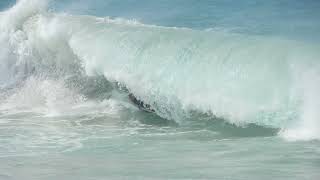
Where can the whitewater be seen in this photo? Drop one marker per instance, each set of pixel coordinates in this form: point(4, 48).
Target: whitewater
point(228, 104)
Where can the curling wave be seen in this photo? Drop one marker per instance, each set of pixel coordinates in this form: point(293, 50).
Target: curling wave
point(268, 81)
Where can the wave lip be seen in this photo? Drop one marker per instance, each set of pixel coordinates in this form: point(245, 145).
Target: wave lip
point(24, 9)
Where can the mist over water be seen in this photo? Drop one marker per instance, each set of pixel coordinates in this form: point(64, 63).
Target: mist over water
point(242, 96)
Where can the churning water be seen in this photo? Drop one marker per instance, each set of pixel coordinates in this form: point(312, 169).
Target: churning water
point(234, 85)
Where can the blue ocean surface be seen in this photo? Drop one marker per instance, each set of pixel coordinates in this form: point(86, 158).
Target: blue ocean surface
point(232, 89)
point(293, 18)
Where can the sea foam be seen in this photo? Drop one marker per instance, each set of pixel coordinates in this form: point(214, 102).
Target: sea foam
point(268, 81)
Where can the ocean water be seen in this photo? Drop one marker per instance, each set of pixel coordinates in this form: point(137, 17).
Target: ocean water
point(234, 85)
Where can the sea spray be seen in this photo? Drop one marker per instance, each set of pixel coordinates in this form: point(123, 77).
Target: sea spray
point(240, 78)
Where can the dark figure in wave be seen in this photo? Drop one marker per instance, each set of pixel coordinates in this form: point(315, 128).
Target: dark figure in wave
point(141, 104)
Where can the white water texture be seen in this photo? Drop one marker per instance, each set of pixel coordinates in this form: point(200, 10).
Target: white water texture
point(269, 81)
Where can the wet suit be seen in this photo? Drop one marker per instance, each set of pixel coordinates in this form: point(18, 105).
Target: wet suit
point(140, 104)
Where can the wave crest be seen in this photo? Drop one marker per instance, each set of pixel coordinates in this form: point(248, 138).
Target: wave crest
point(242, 79)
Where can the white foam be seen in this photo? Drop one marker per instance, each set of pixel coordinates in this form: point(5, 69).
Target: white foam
point(43, 95)
point(307, 127)
point(243, 79)
point(20, 12)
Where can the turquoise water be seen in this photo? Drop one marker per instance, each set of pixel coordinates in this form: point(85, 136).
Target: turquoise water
point(234, 85)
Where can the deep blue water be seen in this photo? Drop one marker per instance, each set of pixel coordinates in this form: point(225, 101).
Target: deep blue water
point(292, 18)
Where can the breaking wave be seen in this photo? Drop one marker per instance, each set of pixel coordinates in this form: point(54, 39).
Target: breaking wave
point(268, 81)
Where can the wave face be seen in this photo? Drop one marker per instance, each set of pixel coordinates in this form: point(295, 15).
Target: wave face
point(268, 81)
